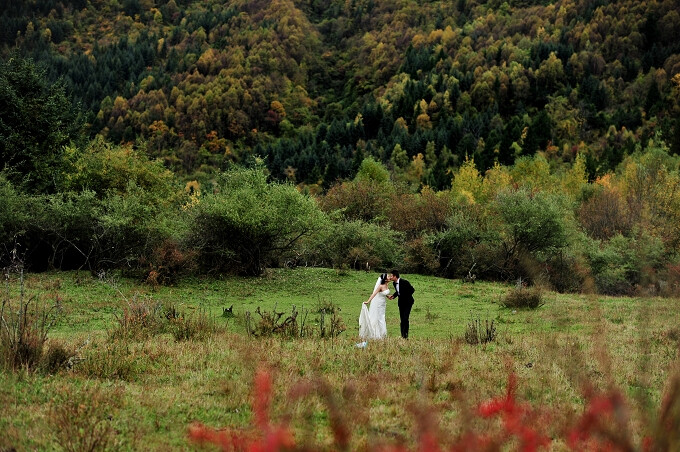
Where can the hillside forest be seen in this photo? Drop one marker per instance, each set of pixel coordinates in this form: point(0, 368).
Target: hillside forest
point(499, 140)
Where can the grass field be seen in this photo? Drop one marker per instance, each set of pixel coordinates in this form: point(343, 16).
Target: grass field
point(143, 393)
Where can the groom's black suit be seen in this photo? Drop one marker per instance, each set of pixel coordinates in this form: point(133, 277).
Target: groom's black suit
point(405, 294)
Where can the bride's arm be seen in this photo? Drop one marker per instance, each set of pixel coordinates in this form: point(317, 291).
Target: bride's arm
point(375, 292)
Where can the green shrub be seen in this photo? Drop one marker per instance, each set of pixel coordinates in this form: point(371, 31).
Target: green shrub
point(469, 240)
point(15, 215)
point(534, 222)
point(354, 244)
point(533, 228)
point(82, 230)
point(620, 265)
point(249, 223)
point(109, 170)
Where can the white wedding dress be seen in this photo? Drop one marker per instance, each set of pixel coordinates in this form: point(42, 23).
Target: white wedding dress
point(372, 321)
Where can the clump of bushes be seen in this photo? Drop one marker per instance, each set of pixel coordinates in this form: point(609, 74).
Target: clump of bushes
point(143, 318)
point(524, 297)
point(197, 327)
point(248, 224)
point(111, 360)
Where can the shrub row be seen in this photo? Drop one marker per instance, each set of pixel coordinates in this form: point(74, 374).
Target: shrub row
point(118, 209)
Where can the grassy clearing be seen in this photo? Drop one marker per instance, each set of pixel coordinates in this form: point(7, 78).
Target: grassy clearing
point(149, 390)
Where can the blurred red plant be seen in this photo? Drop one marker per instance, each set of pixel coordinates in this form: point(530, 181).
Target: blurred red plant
point(270, 437)
point(515, 418)
point(602, 427)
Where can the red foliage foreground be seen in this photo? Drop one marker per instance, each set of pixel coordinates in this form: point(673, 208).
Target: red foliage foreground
point(603, 426)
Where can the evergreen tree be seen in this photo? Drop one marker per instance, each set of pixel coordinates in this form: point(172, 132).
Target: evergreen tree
point(37, 120)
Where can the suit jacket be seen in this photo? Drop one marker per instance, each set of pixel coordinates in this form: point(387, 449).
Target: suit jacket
point(405, 292)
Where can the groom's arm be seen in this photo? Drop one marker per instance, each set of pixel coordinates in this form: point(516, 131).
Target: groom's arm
point(408, 288)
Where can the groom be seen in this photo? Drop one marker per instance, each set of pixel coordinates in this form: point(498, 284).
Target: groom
point(404, 291)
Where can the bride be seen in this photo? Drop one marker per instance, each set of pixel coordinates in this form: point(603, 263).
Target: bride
point(372, 321)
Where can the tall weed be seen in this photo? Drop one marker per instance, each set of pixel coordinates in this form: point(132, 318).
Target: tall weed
point(23, 325)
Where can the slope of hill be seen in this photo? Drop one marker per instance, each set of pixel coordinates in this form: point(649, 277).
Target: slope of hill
point(313, 86)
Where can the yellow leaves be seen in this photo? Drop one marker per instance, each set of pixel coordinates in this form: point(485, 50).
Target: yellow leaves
point(193, 190)
point(496, 179)
point(551, 71)
point(435, 35)
point(423, 121)
point(277, 107)
point(467, 181)
point(448, 37)
point(401, 122)
point(605, 180)
point(575, 178)
point(417, 168)
point(676, 80)
point(533, 173)
point(120, 106)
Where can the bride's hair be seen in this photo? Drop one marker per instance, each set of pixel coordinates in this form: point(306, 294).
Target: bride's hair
point(383, 278)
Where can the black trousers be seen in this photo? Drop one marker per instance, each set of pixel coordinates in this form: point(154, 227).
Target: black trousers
point(404, 313)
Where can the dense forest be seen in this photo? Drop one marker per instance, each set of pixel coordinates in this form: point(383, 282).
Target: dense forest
point(314, 86)
point(532, 139)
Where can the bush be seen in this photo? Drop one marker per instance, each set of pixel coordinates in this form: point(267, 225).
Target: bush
point(250, 224)
point(140, 319)
point(57, 357)
point(415, 214)
point(295, 325)
point(15, 216)
point(273, 323)
point(469, 240)
point(354, 244)
point(169, 261)
point(80, 419)
point(604, 215)
point(420, 257)
point(81, 230)
point(358, 200)
point(523, 297)
point(107, 361)
point(622, 264)
point(197, 327)
point(533, 225)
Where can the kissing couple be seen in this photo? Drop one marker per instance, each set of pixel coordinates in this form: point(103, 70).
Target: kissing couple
point(372, 320)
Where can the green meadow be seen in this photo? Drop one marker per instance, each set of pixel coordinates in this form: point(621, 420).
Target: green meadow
point(143, 391)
